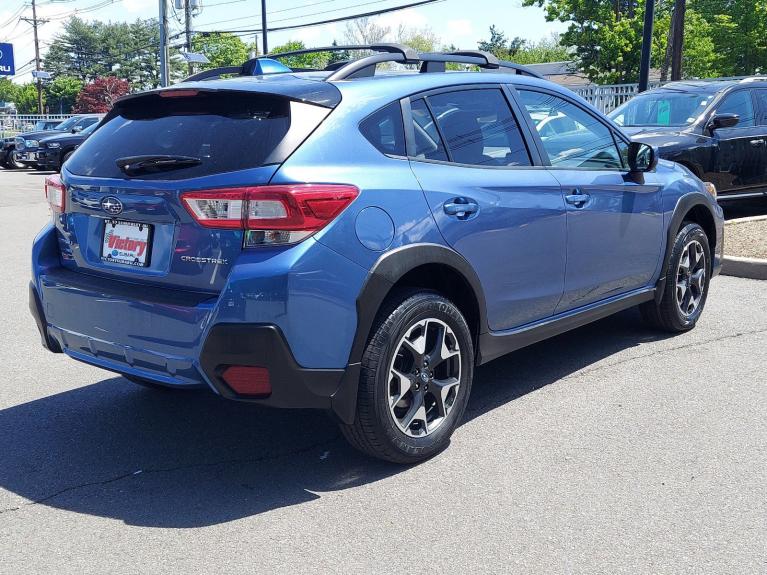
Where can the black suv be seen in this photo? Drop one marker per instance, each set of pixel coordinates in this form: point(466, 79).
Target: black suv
point(717, 129)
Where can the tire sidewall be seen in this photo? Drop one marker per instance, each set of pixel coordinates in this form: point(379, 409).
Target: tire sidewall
point(409, 313)
point(687, 234)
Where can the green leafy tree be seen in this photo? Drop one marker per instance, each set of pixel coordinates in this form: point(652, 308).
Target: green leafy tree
point(25, 98)
point(340, 56)
point(88, 50)
point(221, 48)
point(61, 93)
point(500, 45)
point(547, 50)
point(316, 61)
point(7, 90)
point(420, 39)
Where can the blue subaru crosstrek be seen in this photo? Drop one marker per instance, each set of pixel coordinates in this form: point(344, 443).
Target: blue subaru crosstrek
point(358, 240)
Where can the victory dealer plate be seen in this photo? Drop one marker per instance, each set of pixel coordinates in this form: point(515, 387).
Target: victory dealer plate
point(126, 243)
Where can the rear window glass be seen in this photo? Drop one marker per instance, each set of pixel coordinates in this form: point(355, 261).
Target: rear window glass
point(385, 130)
point(226, 131)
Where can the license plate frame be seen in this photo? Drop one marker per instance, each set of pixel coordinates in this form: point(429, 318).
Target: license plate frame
point(120, 254)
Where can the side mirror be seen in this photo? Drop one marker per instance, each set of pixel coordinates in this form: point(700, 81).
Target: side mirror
point(723, 121)
point(642, 157)
point(77, 129)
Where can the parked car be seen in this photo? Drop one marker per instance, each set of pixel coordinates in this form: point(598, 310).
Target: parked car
point(23, 151)
point(716, 129)
point(384, 234)
point(7, 145)
point(55, 150)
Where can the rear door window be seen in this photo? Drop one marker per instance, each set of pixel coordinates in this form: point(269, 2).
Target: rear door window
point(428, 143)
point(479, 128)
point(225, 131)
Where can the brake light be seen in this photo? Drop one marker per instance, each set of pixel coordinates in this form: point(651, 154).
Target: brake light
point(178, 93)
point(271, 215)
point(55, 193)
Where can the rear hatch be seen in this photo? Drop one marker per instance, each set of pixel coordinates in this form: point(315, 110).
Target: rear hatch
point(124, 216)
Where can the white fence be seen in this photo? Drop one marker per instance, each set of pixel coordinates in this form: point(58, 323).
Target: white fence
point(608, 97)
point(11, 124)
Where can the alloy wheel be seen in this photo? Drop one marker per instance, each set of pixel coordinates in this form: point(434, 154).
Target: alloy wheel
point(691, 278)
point(424, 377)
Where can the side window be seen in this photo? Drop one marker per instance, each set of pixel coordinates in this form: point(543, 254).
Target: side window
point(585, 142)
point(739, 103)
point(428, 144)
point(761, 102)
point(385, 130)
point(479, 128)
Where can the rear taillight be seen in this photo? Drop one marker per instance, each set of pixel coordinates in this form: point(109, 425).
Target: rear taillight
point(55, 193)
point(270, 215)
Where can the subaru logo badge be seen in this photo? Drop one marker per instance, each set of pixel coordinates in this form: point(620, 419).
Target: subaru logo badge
point(112, 205)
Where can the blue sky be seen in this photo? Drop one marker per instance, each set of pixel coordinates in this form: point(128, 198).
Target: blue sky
point(451, 20)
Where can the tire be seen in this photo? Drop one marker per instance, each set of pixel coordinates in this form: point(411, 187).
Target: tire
point(65, 158)
point(13, 163)
point(402, 419)
point(686, 287)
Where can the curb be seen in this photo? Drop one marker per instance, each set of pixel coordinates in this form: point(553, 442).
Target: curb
point(751, 268)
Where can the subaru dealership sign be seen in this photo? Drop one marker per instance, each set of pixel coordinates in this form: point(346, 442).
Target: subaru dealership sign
point(6, 60)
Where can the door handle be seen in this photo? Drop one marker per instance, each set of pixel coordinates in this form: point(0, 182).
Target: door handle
point(577, 199)
point(460, 207)
point(757, 143)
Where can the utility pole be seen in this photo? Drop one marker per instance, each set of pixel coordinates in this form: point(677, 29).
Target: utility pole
point(677, 39)
point(188, 30)
point(263, 26)
point(35, 23)
point(163, 43)
point(644, 64)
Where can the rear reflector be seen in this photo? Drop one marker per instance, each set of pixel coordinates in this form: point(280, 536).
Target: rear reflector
point(270, 215)
point(248, 380)
point(55, 193)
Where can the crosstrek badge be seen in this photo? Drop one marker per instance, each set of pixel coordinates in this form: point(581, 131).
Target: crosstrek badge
point(125, 243)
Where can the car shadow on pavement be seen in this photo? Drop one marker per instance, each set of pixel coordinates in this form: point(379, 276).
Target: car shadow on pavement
point(189, 459)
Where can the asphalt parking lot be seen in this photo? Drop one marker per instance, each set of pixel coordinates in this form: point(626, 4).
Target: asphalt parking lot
point(610, 449)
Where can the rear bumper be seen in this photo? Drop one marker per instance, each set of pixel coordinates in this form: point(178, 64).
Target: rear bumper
point(260, 345)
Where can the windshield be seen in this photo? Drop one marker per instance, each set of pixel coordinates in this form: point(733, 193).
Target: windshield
point(43, 125)
point(67, 124)
point(661, 108)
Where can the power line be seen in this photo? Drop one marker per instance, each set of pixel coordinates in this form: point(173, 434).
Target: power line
point(331, 20)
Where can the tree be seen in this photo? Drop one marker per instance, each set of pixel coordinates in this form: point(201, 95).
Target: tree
point(100, 95)
point(7, 90)
point(87, 50)
point(546, 50)
point(339, 56)
point(221, 48)
point(62, 92)
point(25, 98)
point(365, 31)
point(419, 39)
point(314, 61)
point(499, 45)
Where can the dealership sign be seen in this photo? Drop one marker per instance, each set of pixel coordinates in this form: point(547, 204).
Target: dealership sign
point(6, 60)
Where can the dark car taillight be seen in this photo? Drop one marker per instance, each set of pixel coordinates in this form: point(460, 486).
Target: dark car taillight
point(270, 215)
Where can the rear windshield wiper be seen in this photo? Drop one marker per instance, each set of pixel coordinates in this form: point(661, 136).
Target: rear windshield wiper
point(135, 165)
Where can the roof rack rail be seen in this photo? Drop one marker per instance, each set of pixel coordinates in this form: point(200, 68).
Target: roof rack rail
point(253, 66)
point(364, 67)
point(753, 79)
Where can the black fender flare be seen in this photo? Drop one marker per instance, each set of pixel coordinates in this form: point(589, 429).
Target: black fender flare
point(682, 208)
point(382, 277)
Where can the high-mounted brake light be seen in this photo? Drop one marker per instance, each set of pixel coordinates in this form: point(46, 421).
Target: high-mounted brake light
point(178, 93)
point(55, 193)
point(271, 215)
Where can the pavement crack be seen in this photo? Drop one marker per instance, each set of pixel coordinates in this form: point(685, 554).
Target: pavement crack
point(660, 352)
point(150, 470)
